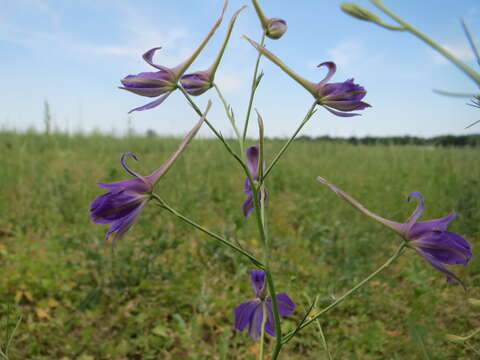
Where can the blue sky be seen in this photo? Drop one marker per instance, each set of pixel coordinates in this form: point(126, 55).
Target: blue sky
point(73, 54)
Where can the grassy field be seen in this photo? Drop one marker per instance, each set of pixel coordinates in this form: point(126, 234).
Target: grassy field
point(166, 291)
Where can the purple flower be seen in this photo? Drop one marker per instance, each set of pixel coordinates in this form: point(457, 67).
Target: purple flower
point(253, 158)
point(125, 199)
point(338, 98)
point(251, 313)
point(163, 82)
point(343, 97)
point(431, 239)
point(152, 84)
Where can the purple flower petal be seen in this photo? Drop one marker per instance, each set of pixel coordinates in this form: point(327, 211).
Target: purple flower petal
point(285, 304)
point(247, 188)
point(256, 322)
point(133, 185)
point(270, 324)
point(247, 205)
point(416, 213)
point(445, 246)
point(148, 57)
point(253, 157)
point(147, 92)
point(341, 114)
point(422, 227)
point(332, 68)
point(127, 169)
point(110, 207)
point(122, 225)
point(258, 282)
point(346, 105)
point(244, 313)
point(152, 104)
point(148, 79)
point(439, 266)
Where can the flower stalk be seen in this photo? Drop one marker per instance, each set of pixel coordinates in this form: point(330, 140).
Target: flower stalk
point(163, 204)
point(307, 117)
point(255, 82)
point(475, 76)
point(345, 296)
point(230, 116)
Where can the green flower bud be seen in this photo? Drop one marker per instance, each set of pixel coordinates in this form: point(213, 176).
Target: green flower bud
point(360, 12)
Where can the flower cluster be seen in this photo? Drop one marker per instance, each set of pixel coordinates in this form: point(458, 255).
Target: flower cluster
point(121, 205)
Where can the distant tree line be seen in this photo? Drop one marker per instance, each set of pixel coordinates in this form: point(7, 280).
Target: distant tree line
point(444, 140)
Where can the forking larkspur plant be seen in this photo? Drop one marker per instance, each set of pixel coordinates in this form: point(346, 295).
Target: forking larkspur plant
point(124, 201)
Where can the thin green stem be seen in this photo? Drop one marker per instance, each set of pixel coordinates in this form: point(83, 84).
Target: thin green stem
point(324, 340)
point(469, 346)
point(217, 134)
point(475, 76)
point(230, 116)
point(397, 253)
point(214, 66)
point(270, 283)
point(225, 242)
point(253, 90)
point(261, 15)
point(309, 114)
point(260, 216)
point(262, 332)
point(474, 333)
point(470, 40)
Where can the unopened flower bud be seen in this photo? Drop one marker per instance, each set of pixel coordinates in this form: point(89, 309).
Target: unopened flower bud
point(196, 83)
point(360, 12)
point(276, 27)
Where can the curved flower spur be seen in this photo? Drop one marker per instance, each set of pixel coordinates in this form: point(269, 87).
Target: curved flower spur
point(338, 98)
point(164, 81)
point(125, 199)
point(431, 239)
point(198, 82)
point(251, 313)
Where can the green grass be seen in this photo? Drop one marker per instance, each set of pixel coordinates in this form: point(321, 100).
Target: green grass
point(166, 291)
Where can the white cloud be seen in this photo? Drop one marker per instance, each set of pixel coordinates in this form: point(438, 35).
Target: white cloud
point(346, 52)
point(144, 37)
point(229, 82)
